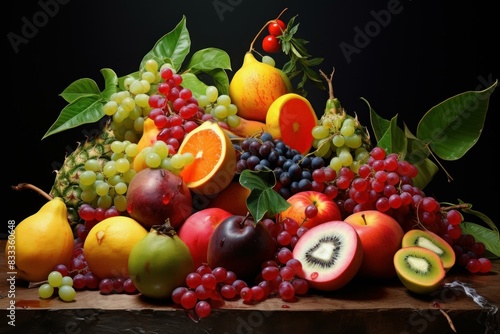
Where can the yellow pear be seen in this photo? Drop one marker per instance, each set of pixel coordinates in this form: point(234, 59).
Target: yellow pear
point(255, 86)
point(41, 241)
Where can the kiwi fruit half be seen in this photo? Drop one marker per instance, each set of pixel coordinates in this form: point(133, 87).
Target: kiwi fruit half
point(330, 253)
point(419, 269)
point(433, 242)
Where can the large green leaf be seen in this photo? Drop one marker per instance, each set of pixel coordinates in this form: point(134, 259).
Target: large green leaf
point(426, 171)
point(489, 238)
point(208, 59)
point(417, 151)
point(110, 83)
point(87, 109)
point(80, 88)
point(452, 127)
point(379, 124)
point(191, 81)
point(171, 48)
point(394, 139)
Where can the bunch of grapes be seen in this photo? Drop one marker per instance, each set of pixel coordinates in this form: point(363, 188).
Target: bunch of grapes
point(57, 282)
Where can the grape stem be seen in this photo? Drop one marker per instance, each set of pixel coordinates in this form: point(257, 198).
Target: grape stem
point(264, 27)
point(22, 186)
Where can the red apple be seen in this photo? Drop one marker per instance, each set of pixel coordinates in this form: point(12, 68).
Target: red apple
point(327, 209)
point(197, 230)
point(381, 237)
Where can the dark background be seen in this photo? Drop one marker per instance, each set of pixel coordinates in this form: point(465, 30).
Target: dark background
point(425, 53)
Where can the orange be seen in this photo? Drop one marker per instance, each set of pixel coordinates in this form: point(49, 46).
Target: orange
point(232, 199)
point(292, 118)
point(214, 164)
point(108, 244)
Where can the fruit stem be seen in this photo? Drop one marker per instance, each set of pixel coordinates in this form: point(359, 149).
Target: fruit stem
point(332, 104)
point(364, 219)
point(264, 27)
point(165, 229)
point(22, 186)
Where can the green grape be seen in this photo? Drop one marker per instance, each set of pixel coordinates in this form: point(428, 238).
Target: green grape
point(93, 165)
point(88, 195)
point(355, 166)
point(45, 291)
point(117, 146)
point(104, 202)
point(102, 189)
point(149, 76)
point(361, 154)
point(335, 164)
point(67, 280)
point(345, 157)
point(232, 109)
point(127, 82)
point(220, 112)
point(120, 202)
point(109, 168)
point(121, 188)
point(323, 147)
point(347, 130)
point(188, 158)
point(122, 165)
point(160, 148)
point(203, 101)
point(223, 100)
point(153, 160)
point(142, 100)
point(165, 164)
point(132, 150)
point(338, 141)
point(137, 88)
point(115, 179)
point(151, 65)
point(320, 132)
point(233, 121)
point(67, 293)
point(110, 108)
point(212, 93)
point(139, 124)
point(87, 177)
point(55, 278)
point(128, 104)
point(128, 175)
point(146, 86)
point(353, 141)
point(177, 161)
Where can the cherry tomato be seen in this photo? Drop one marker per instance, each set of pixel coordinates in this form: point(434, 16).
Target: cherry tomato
point(271, 44)
point(276, 27)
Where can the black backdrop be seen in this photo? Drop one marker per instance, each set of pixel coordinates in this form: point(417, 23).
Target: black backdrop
point(414, 55)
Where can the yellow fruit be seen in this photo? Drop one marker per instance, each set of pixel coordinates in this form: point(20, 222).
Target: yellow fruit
point(292, 118)
point(214, 164)
point(41, 241)
point(148, 138)
point(255, 86)
point(248, 128)
point(108, 244)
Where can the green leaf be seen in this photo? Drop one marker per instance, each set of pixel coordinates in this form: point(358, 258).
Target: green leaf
point(426, 171)
point(263, 198)
point(452, 127)
point(87, 109)
point(110, 83)
point(417, 151)
point(209, 59)
point(482, 216)
point(379, 124)
point(489, 238)
point(171, 48)
point(394, 139)
point(80, 88)
point(191, 81)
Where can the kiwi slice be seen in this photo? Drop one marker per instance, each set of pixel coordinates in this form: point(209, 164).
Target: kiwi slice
point(433, 242)
point(419, 269)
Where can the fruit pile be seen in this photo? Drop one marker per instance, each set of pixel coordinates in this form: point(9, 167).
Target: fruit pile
point(309, 201)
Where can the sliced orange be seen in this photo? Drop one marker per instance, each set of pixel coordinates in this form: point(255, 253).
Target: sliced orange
point(292, 118)
point(214, 164)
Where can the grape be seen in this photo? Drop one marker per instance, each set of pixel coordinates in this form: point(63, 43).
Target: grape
point(203, 309)
point(67, 280)
point(45, 291)
point(188, 300)
point(193, 280)
point(55, 279)
point(67, 293)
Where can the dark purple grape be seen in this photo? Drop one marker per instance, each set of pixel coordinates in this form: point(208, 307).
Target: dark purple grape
point(252, 162)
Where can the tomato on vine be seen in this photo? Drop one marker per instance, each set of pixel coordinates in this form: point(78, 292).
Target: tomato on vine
point(271, 44)
point(276, 27)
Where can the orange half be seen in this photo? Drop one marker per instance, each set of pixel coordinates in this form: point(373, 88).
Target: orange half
point(214, 164)
point(292, 118)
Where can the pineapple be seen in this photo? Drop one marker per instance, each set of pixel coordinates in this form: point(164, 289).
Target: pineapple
point(66, 184)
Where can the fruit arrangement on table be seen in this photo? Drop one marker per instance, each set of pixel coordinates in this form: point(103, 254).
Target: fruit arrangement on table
point(200, 189)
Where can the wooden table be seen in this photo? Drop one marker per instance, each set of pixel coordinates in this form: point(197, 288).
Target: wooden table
point(360, 307)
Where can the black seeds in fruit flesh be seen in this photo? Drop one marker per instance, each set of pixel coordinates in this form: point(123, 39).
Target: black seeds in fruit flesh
point(336, 244)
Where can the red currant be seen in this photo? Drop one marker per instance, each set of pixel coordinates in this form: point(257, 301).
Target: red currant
point(271, 44)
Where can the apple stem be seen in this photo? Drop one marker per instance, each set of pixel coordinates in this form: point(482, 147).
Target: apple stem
point(22, 186)
point(364, 219)
point(264, 27)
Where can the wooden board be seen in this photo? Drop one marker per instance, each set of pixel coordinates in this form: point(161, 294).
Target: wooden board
point(360, 307)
